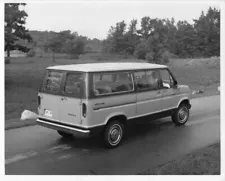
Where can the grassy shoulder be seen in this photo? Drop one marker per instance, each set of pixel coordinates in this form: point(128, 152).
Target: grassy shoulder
point(24, 75)
point(205, 161)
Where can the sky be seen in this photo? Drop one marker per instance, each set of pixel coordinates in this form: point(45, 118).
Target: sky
point(95, 19)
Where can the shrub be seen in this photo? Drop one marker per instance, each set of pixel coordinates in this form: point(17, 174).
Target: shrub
point(73, 56)
point(149, 57)
point(141, 50)
point(7, 60)
point(165, 57)
point(31, 53)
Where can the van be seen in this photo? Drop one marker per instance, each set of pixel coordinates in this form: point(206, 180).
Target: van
point(83, 100)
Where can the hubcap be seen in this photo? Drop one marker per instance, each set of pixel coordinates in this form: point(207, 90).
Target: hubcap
point(115, 134)
point(183, 114)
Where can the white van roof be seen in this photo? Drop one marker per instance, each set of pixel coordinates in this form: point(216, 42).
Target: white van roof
point(98, 67)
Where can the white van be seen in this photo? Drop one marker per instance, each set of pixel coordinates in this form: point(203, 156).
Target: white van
point(102, 98)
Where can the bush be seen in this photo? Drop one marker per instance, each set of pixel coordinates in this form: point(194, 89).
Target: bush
point(149, 57)
point(165, 57)
point(31, 53)
point(141, 50)
point(7, 60)
point(73, 56)
point(172, 55)
point(161, 59)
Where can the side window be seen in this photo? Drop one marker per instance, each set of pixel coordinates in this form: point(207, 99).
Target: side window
point(141, 80)
point(108, 83)
point(166, 79)
point(147, 80)
point(74, 82)
point(153, 79)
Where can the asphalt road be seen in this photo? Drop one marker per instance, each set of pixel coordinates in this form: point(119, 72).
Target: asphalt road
point(38, 150)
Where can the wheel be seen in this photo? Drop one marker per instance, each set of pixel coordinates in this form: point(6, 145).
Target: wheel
point(64, 134)
point(113, 134)
point(181, 115)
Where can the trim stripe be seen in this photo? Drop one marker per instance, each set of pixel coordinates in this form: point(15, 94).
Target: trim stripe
point(118, 105)
point(142, 115)
point(148, 100)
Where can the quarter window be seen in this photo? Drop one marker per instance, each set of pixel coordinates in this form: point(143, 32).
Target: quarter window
point(109, 83)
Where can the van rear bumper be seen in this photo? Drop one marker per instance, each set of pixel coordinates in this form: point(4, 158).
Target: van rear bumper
point(76, 131)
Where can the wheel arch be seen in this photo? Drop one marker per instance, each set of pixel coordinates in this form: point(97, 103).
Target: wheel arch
point(184, 100)
point(116, 116)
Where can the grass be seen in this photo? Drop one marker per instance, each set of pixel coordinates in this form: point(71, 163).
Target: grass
point(199, 74)
point(204, 161)
point(24, 75)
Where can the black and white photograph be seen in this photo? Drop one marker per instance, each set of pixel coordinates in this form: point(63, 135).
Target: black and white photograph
point(112, 88)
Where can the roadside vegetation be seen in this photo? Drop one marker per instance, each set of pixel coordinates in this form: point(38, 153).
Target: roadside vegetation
point(205, 161)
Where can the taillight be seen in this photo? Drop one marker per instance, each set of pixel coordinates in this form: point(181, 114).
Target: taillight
point(84, 110)
point(39, 101)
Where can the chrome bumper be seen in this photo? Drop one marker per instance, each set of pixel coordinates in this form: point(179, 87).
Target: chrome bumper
point(66, 128)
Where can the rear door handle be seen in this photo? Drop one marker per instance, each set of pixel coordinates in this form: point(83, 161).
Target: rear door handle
point(63, 98)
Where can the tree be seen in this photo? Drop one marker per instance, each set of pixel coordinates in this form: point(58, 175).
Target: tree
point(15, 30)
point(131, 37)
point(171, 34)
point(185, 40)
point(157, 39)
point(74, 46)
point(207, 29)
point(54, 45)
point(116, 41)
point(145, 27)
point(63, 36)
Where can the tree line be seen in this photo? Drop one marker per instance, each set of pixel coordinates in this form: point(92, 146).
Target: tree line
point(63, 42)
point(157, 39)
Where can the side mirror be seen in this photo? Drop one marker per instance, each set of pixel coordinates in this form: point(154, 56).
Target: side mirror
point(175, 83)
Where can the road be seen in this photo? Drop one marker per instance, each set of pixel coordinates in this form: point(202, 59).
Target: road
point(38, 150)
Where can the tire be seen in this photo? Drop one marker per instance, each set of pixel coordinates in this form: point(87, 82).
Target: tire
point(64, 134)
point(181, 115)
point(113, 134)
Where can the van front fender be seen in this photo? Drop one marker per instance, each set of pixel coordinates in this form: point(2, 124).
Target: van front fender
point(184, 99)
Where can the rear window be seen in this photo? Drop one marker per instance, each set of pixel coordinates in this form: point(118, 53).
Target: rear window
point(74, 84)
point(53, 81)
point(109, 83)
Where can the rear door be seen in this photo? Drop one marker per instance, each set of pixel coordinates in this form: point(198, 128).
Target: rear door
point(49, 95)
point(73, 92)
